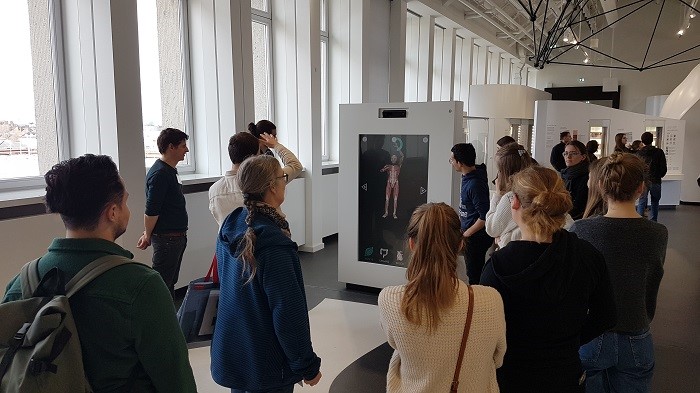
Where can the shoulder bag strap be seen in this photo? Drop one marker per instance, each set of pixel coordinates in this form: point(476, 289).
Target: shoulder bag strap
point(29, 278)
point(465, 336)
point(93, 270)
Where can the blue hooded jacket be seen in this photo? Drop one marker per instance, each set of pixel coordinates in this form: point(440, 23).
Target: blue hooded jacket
point(474, 197)
point(262, 339)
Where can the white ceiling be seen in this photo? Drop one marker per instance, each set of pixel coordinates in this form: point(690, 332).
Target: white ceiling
point(506, 24)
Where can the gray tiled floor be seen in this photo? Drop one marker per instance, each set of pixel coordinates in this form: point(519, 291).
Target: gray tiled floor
point(677, 318)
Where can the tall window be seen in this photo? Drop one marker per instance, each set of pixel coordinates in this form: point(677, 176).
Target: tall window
point(30, 138)
point(164, 74)
point(459, 69)
point(262, 60)
point(475, 64)
point(438, 62)
point(325, 140)
point(489, 58)
point(412, 56)
point(505, 70)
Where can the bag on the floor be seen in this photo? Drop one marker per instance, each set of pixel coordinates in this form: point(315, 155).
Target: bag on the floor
point(197, 314)
point(39, 343)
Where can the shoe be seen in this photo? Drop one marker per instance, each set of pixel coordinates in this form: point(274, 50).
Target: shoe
point(385, 214)
point(395, 216)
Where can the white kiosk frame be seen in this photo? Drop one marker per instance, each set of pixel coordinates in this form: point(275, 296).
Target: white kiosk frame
point(442, 122)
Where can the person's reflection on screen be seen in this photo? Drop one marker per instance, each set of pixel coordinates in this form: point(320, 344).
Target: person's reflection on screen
point(371, 208)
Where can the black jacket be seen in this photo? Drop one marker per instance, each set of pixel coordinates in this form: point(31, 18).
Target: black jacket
point(656, 162)
point(556, 157)
point(576, 181)
point(556, 297)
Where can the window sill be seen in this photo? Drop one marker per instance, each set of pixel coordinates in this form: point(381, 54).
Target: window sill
point(29, 196)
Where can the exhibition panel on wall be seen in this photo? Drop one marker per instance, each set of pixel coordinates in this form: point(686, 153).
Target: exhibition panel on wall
point(395, 158)
point(589, 121)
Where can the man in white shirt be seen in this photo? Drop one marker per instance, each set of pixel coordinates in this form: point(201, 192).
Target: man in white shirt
point(225, 195)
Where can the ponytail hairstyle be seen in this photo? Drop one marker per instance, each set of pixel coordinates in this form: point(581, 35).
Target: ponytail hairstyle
point(263, 127)
point(596, 204)
point(510, 159)
point(543, 198)
point(255, 176)
point(432, 270)
point(621, 175)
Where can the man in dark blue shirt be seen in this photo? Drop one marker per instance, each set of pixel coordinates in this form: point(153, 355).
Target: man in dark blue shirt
point(473, 206)
point(165, 220)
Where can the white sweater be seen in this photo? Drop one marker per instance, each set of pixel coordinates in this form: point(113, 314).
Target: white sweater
point(500, 224)
point(425, 362)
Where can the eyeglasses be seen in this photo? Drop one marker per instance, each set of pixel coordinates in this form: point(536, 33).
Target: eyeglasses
point(285, 176)
point(570, 153)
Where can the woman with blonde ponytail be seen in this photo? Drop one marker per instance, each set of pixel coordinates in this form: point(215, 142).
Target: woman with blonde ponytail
point(424, 320)
point(555, 289)
point(262, 340)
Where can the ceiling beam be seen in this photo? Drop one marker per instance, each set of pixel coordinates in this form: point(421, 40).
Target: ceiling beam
point(497, 25)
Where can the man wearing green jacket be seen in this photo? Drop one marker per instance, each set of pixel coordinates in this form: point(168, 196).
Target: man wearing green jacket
point(125, 318)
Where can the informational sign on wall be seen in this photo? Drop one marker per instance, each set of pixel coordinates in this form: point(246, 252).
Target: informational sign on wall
point(673, 147)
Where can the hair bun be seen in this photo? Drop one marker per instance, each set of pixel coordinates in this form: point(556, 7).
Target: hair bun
point(252, 128)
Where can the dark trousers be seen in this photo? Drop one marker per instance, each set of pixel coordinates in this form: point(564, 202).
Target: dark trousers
point(167, 257)
point(475, 254)
point(286, 389)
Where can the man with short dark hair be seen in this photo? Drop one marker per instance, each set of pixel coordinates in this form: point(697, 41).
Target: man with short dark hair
point(556, 158)
point(125, 319)
point(656, 169)
point(165, 219)
point(474, 204)
point(225, 195)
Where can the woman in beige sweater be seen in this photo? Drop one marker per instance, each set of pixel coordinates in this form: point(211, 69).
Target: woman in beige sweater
point(424, 319)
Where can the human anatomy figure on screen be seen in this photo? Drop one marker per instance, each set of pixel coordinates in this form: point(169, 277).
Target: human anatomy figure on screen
point(394, 169)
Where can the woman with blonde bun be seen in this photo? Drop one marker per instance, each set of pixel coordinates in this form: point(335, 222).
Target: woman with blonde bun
point(425, 319)
point(555, 289)
point(622, 360)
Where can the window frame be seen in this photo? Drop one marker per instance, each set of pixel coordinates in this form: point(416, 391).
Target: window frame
point(60, 105)
point(187, 98)
point(265, 18)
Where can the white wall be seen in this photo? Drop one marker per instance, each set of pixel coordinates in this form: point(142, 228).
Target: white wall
point(329, 204)
point(635, 88)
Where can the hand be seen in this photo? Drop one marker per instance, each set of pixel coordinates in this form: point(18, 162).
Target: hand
point(466, 234)
point(144, 242)
point(314, 381)
point(269, 140)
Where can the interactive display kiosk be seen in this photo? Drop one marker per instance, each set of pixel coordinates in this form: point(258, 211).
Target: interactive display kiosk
point(394, 158)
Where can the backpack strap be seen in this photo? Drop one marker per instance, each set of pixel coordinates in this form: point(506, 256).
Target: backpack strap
point(93, 270)
point(29, 278)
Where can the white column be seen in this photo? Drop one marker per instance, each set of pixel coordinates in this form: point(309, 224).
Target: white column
point(397, 60)
point(309, 104)
point(425, 59)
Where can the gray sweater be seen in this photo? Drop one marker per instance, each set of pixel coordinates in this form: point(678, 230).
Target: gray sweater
point(634, 251)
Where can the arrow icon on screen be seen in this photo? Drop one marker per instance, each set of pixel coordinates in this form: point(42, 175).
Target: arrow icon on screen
point(423, 190)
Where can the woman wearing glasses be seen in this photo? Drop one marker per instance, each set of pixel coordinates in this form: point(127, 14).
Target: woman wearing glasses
point(555, 289)
point(575, 176)
point(262, 340)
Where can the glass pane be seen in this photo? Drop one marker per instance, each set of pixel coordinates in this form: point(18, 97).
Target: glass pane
point(459, 48)
point(162, 75)
point(437, 63)
point(259, 5)
point(412, 56)
point(324, 99)
point(475, 64)
point(28, 131)
point(324, 13)
point(261, 71)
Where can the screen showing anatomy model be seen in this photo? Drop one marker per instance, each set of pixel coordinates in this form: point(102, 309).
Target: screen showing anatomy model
point(393, 181)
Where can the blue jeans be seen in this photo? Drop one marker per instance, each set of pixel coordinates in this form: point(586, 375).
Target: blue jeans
point(655, 191)
point(618, 363)
point(167, 257)
point(286, 389)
